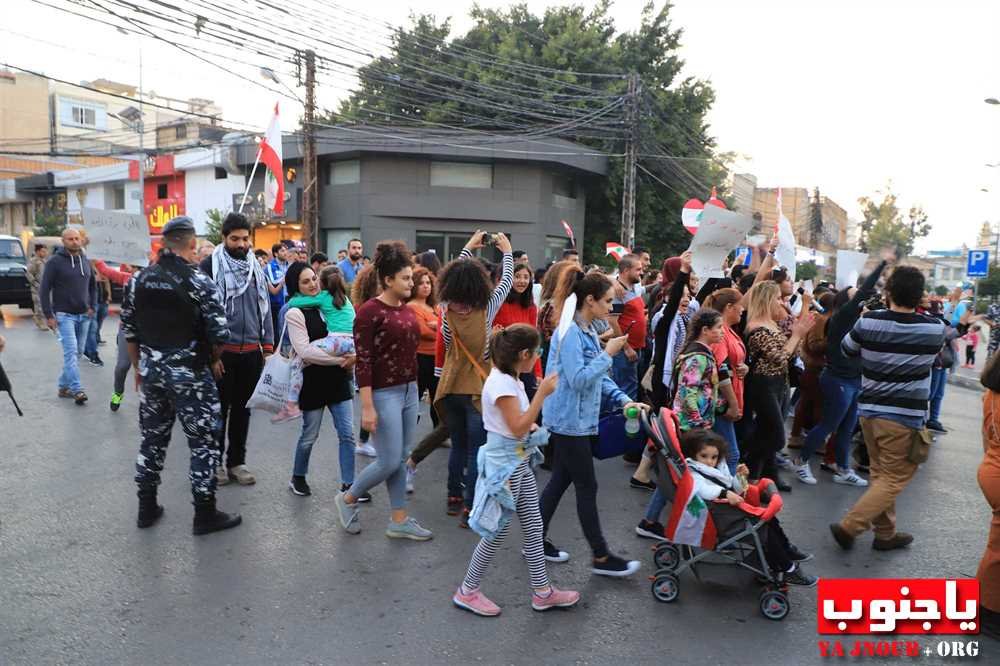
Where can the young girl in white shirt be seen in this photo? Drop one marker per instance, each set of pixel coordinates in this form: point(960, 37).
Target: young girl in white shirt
point(505, 471)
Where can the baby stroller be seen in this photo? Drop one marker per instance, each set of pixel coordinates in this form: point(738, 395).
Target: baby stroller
point(691, 530)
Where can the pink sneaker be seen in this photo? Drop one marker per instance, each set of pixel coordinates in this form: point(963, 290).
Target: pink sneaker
point(476, 602)
point(556, 599)
point(289, 412)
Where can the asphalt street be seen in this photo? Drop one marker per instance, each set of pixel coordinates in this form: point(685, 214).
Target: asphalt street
point(79, 583)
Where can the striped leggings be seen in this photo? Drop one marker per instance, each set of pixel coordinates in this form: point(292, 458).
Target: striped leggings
point(525, 492)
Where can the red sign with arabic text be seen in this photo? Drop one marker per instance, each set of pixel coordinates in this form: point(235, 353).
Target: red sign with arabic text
point(898, 606)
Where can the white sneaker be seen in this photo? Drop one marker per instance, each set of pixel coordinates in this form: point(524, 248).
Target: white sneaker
point(366, 449)
point(850, 478)
point(783, 461)
point(410, 473)
point(804, 473)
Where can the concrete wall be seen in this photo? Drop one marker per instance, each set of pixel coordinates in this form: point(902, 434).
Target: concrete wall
point(24, 109)
point(394, 199)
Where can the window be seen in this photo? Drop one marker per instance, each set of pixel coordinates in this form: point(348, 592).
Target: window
point(461, 174)
point(563, 185)
point(337, 239)
point(76, 113)
point(220, 173)
point(345, 172)
point(161, 191)
point(181, 132)
point(118, 198)
point(84, 116)
point(554, 246)
point(11, 249)
point(448, 245)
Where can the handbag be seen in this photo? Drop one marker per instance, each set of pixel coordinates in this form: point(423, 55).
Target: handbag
point(271, 392)
point(612, 440)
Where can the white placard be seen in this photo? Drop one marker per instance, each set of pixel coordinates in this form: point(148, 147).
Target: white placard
point(117, 236)
point(785, 252)
point(719, 232)
point(849, 267)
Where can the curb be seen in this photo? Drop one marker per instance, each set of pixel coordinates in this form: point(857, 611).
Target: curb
point(971, 383)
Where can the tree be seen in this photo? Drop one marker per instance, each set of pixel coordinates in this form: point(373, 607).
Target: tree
point(806, 270)
point(49, 222)
point(427, 79)
point(213, 227)
point(990, 285)
point(883, 225)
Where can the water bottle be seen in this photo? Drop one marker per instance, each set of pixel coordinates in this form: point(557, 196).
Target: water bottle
point(632, 421)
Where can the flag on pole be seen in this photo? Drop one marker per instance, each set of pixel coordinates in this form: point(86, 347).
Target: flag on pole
point(617, 250)
point(569, 232)
point(270, 155)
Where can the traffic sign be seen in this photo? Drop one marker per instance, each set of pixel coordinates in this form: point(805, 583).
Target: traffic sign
point(979, 264)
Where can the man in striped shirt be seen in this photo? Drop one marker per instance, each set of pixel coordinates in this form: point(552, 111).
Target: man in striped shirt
point(897, 348)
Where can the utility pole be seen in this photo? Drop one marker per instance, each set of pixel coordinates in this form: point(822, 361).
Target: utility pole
point(631, 150)
point(310, 200)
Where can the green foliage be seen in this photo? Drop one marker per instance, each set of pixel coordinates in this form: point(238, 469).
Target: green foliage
point(409, 82)
point(990, 285)
point(884, 226)
point(213, 228)
point(49, 222)
point(806, 270)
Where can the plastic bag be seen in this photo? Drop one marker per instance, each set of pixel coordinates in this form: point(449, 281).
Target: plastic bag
point(271, 392)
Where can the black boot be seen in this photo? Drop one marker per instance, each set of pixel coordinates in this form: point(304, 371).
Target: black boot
point(149, 510)
point(208, 519)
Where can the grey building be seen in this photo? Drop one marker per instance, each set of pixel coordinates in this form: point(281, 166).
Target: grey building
point(433, 190)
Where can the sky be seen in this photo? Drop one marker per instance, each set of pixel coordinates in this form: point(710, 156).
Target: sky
point(846, 95)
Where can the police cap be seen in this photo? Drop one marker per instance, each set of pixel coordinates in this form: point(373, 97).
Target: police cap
point(180, 224)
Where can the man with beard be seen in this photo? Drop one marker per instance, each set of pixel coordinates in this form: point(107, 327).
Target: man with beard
point(243, 287)
point(354, 262)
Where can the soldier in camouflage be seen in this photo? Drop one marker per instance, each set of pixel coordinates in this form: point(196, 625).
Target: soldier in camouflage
point(175, 325)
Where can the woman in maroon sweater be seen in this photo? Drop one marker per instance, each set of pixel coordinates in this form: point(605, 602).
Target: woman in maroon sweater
point(386, 334)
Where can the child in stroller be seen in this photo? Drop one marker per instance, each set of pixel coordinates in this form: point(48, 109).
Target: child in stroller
point(723, 492)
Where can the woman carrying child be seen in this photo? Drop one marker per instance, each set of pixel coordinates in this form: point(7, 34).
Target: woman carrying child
point(722, 492)
point(325, 378)
point(505, 479)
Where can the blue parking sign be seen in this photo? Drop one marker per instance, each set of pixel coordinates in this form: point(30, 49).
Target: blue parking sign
point(979, 264)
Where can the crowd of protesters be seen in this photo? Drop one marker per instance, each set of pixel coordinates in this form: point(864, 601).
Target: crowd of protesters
point(520, 365)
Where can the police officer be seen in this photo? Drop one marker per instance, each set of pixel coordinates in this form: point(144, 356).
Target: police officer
point(174, 320)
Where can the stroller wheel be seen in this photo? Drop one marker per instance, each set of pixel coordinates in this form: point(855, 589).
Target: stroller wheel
point(666, 588)
point(666, 556)
point(774, 605)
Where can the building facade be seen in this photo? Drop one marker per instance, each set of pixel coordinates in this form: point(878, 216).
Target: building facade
point(433, 192)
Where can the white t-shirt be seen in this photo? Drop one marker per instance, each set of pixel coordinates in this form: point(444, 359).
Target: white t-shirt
point(498, 385)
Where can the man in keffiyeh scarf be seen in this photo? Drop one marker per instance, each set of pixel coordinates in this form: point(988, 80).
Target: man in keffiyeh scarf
point(243, 288)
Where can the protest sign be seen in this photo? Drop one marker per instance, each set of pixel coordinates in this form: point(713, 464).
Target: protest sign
point(849, 267)
point(719, 232)
point(117, 236)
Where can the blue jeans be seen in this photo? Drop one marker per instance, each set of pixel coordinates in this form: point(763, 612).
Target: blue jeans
point(397, 408)
point(625, 373)
point(343, 421)
point(94, 329)
point(727, 430)
point(840, 416)
point(72, 334)
point(467, 435)
point(655, 506)
point(939, 380)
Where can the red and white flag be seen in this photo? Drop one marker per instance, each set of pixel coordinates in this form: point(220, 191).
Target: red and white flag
point(270, 155)
point(569, 232)
point(617, 250)
point(690, 214)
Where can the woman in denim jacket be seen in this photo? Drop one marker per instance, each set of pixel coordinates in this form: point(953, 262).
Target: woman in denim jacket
point(571, 413)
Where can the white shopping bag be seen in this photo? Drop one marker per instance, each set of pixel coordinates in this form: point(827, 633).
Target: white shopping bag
point(271, 393)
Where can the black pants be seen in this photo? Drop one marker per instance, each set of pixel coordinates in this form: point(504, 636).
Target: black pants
point(970, 355)
point(426, 381)
point(765, 397)
point(573, 462)
point(729, 521)
point(235, 388)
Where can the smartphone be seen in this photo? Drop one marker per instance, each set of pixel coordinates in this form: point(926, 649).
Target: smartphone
point(617, 308)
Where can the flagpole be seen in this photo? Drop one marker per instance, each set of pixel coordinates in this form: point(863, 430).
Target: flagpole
point(253, 171)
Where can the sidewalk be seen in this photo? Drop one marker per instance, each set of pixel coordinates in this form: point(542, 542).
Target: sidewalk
point(969, 377)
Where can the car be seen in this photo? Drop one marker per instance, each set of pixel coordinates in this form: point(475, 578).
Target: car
point(14, 288)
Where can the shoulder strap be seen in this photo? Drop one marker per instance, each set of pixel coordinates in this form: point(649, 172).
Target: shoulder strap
point(457, 339)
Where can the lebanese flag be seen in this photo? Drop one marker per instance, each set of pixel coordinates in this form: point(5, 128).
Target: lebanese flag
point(569, 232)
point(270, 155)
point(691, 214)
point(616, 250)
point(714, 200)
point(688, 521)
